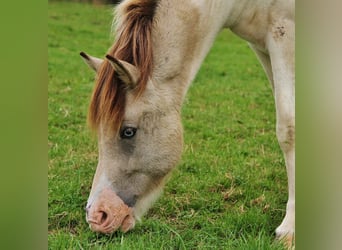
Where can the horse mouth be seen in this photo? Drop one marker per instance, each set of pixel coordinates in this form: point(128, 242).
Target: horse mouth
point(108, 226)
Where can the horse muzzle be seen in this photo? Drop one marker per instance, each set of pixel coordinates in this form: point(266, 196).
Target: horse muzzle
point(108, 212)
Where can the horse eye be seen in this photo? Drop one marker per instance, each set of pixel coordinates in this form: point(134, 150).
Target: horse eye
point(128, 132)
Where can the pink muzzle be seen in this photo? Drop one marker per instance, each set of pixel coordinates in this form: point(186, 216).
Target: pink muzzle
point(108, 213)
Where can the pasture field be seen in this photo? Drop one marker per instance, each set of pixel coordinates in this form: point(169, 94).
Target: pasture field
point(228, 192)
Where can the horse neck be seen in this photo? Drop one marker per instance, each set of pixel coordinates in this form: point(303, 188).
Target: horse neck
point(182, 36)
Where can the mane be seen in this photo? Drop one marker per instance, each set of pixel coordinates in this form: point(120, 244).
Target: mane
point(132, 44)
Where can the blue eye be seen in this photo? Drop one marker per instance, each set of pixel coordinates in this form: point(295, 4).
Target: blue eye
point(128, 132)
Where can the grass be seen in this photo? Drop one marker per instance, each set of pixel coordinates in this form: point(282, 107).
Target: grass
point(228, 192)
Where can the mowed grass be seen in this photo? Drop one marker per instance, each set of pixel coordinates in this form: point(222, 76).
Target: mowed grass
point(228, 192)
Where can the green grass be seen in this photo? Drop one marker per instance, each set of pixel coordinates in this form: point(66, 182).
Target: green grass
point(228, 192)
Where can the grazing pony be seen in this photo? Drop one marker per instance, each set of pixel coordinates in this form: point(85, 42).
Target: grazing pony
point(140, 87)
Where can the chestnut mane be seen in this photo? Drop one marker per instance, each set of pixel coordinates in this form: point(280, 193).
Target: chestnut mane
point(132, 44)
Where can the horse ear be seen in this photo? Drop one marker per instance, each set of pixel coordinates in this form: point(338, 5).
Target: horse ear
point(92, 62)
point(127, 72)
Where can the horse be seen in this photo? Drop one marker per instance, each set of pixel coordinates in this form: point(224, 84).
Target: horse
point(135, 107)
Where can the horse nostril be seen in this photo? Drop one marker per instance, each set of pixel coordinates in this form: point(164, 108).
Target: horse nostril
point(103, 217)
